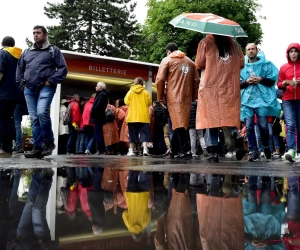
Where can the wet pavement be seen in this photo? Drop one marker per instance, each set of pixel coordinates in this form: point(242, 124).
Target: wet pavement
point(122, 202)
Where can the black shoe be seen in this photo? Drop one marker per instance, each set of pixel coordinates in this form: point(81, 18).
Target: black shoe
point(48, 148)
point(253, 156)
point(36, 152)
point(240, 153)
point(268, 153)
point(213, 158)
point(47, 173)
point(183, 156)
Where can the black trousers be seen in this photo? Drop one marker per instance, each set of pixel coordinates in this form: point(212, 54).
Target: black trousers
point(6, 119)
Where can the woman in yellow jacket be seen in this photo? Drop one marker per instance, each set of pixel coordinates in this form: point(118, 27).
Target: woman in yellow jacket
point(139, 100)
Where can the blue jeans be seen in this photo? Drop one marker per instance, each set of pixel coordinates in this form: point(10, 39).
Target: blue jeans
point(80, 142)
point(89, 137)
point(213, 136)
point(262, 122)
point(33, 217)
point(293, 206)
point(38, 104)
point(291, 111)
point(71, 146)
point(20, 110)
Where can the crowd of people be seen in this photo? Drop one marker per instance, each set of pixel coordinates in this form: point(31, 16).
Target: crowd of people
point(233, 100)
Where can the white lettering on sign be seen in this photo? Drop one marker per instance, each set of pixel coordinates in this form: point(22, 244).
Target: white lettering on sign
point(212, 19)
point(108, 70)
point(108, 244)
point(239, 30)
point(189, 23)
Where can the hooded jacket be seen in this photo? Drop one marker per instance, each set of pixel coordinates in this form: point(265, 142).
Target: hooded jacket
point(139, 100)
point(289, 71)
point(9, 89)
point(86, 115)
point(178, 80)
point(38, 65)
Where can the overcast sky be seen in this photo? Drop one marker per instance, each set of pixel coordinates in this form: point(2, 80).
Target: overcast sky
point(280, 29)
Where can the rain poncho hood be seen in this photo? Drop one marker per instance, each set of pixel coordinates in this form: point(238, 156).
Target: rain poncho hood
point(259, 95)
point(137, 88)
point(177, 53)
point(14, 51)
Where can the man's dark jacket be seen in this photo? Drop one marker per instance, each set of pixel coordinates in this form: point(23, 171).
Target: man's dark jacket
point(99, 107)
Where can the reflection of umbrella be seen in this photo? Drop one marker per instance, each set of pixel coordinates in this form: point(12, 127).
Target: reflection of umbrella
point(208, 23)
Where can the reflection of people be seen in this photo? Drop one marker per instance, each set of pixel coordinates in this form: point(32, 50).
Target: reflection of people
point(292, 239)
point(219, 90)
point(177, 82)
point(261, 218)
point(258, 97)
point(9, 92)
point(40, 68)
point(289, 81)
point(33, 228)
point(138, 215)
point(178, 223)
point(63, 129)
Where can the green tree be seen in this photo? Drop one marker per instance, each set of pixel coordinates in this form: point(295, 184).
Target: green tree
point(103, 27)
point(157, 32)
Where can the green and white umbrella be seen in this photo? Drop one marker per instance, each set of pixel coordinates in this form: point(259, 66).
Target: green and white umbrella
point(209, 24)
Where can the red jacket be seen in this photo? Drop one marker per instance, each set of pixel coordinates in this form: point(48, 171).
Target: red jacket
point(86, 115)
point(287, 72)
point(75, 110)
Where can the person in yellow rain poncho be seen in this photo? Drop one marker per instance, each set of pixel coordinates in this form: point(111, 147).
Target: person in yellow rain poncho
point(10, 92)
point(138, 215)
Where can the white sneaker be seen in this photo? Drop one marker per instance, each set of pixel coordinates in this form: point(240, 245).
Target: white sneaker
point(130, 152)
point(262, 154)
point(145, 152)
point(87, 152)
point(229, 155)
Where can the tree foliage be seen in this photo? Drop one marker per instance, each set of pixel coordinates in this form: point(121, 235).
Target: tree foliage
point(157, 32)
point(103, 27)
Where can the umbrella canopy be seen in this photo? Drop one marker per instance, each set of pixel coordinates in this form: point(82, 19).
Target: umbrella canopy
point(208, 23)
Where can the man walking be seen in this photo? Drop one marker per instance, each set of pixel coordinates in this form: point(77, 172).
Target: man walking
point(40, 68)
point(9, 92)
point(98, 116)
point(178, 80)
point(258, 96)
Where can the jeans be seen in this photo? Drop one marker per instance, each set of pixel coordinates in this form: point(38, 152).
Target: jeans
point(13, 198)
point(80, 142)
point(291, 110)
point(258, 139)
point(89, 138)
point(213, 135)
point(38, 104)
point(253, 186)
point(194, 135)
point(34, 213)
point(6, 112)
point(71, 146)
point(262, 122)
point(18, 113)
point(293, 206)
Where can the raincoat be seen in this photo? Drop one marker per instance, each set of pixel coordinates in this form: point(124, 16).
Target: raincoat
point(179, 225)
point(258, 95)
point(221, 222)
point(178, 79)
point(264, 223)
point(110, 129)
point(219, 90)
point(289, 71)
point(139, 100)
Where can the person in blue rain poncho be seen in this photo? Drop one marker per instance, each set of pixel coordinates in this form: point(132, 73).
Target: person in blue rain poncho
point(258, 96)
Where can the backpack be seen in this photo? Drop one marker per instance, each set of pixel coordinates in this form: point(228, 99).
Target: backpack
point(160, 114)
point(67, 118)
point(110, 116)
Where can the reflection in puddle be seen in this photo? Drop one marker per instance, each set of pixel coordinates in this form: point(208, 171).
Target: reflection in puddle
point(109, 208)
